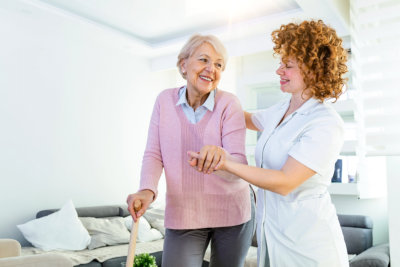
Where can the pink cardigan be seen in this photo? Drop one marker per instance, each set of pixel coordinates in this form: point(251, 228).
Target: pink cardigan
point(196, 200)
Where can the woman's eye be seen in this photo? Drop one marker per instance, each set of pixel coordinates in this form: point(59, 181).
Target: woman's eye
point(204, 60)
point(219, 65)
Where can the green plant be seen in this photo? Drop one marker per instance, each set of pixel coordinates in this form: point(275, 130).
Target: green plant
point(144, 260)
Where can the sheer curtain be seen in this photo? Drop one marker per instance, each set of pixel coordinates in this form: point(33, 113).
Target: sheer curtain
point(376, 60)
point(375, 44)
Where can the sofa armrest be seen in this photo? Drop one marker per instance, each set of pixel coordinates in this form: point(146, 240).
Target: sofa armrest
point(376, 256)
point(9, 248)
point(40, 260)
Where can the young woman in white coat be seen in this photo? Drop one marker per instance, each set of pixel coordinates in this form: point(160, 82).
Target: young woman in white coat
point(300, 141)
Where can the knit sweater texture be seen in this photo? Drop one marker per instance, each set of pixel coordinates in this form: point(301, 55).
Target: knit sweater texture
point(196, 200)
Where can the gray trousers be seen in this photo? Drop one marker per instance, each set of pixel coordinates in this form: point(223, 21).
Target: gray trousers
point(229, 245)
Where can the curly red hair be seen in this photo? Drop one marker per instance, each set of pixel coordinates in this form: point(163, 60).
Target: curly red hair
point(319, 52)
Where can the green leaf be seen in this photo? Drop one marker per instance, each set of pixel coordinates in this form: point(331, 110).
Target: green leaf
point(144, 260)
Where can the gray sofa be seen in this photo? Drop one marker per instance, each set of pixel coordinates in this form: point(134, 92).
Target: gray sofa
point(106, 212)
point(357, 231)
point(102, 212)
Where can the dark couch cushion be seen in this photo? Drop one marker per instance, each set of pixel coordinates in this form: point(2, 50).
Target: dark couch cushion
point(358, 221)
point(377, 256)
point(123, 211)
point(97, 211)
point(114, 262)
point(357, 232)
point(357, 239)
point(90, 264)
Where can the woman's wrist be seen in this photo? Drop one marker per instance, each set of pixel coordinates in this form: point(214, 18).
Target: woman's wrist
point(149, 194)
point(229, 165)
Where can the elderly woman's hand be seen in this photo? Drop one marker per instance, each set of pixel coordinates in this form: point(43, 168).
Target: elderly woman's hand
point(209, 159)
point(145, 197)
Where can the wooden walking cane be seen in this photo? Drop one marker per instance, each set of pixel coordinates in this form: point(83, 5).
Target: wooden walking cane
point(132, 242)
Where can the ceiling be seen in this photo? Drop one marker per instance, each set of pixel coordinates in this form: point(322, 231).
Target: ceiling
point(156, 28)
point(157, 21)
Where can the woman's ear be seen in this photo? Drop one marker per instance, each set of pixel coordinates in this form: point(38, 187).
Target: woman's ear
point(182, 65)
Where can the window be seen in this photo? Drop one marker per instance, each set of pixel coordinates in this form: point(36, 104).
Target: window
point(376, 57)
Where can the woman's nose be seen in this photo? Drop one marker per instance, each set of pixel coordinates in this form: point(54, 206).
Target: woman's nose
point(210, 67)
point(279, 70)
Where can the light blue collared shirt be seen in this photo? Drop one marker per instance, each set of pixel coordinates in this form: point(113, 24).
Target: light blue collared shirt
point(195, 116)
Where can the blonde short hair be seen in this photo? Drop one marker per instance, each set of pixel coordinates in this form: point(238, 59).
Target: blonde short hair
point(197, 40)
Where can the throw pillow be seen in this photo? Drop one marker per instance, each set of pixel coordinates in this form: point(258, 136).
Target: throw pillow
point(106, 231)
point(59, 230)
point(145, 232)
point(377, 255)
point(155, 217)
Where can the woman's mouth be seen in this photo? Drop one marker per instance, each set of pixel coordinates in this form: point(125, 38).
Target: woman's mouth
point(283, 81)
point(208, 79)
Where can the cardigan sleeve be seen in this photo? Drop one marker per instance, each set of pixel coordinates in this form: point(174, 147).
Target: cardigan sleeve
point(234, 130)
point(233, 135)
point(152, 164)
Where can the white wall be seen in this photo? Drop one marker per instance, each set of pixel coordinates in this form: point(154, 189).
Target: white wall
point(74, 112)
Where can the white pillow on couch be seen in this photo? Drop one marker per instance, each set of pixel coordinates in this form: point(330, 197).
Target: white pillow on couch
point(61, 230)
point(145, 232)
point(155, 217)
point(106, 231)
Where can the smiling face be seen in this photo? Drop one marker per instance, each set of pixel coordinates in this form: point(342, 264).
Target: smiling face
point(291, 77)
point(203, 70)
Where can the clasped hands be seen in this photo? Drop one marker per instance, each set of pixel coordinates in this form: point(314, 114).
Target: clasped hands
point(210, 158)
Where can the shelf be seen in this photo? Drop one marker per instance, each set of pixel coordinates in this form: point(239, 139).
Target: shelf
point(348, 189)
point(349, 148)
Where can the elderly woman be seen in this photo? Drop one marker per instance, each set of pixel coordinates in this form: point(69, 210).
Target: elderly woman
point(200, 207)
point(300, 141)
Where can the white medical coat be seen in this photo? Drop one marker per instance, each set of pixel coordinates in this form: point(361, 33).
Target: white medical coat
point(302, 228)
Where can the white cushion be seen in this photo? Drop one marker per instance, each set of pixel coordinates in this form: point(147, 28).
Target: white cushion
point(59, 230)
point(106, 231)
point(155, 217)
point(145, 232)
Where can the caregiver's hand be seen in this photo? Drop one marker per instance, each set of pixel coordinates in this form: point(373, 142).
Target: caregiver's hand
point(210, 158)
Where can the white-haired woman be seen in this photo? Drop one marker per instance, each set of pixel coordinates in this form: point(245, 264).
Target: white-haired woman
point(200, 207)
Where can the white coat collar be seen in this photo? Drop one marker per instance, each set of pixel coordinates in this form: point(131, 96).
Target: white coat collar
point(304, 109)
